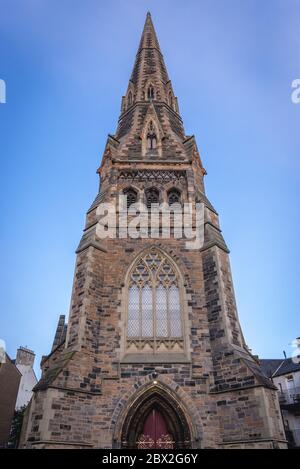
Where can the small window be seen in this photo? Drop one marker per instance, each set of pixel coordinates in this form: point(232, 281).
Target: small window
point(151, 141)
point(152, 197)
point(174, 197)
point(150, 93)
point(170, 99)
point(131, 197)
point(151, 137)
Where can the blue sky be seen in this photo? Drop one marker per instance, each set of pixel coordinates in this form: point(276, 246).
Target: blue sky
point(66, 64)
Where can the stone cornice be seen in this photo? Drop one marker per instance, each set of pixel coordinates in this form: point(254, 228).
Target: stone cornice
point(133, 164)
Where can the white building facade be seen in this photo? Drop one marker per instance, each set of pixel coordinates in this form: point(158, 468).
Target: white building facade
point(24, 362)
point(285, 374)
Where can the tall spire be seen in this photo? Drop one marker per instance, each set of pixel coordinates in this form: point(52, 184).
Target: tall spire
point(149, 39)
point(150, 108)
point(149, 66)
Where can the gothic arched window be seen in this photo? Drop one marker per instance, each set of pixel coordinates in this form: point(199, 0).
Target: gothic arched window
point(151, 141)
point(174, 197)
point(150, 92)
point(154, 305)
point(151, 137)
point(152, 197)
point(131, 196)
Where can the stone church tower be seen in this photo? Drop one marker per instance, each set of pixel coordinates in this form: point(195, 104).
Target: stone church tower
point(153, 355)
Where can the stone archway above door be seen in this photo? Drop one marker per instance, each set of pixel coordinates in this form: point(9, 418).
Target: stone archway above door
point(175, 431)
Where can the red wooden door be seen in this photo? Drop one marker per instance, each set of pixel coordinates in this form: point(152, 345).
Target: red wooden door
point(155, 433)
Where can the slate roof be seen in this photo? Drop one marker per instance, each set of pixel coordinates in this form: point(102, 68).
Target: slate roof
point(278, 367)
point(269, 366)
point(287, 366)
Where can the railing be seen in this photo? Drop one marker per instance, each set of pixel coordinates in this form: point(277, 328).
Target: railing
point(290, 396)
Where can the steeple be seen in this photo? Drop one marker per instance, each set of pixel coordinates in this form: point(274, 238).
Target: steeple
point(149, 39)
point(150, 109)
point(149, 67)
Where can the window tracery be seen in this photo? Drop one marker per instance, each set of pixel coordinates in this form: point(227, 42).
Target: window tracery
point(154, 315)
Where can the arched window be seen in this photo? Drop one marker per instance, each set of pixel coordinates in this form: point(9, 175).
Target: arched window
point(151, 141)
point(131, 196)
point(174, 197)
point(154, 306)
point(129, 99)
point(170, 99)
point(150, 93)
point(151, 137)
point(152, 197)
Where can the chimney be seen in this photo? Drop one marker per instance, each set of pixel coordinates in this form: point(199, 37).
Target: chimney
point(25, 356)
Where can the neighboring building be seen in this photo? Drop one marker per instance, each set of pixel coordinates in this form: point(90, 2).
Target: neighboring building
point(10, 378)
point(24, 362)
point(154, 355)
point(285, 374)
point(17, 379)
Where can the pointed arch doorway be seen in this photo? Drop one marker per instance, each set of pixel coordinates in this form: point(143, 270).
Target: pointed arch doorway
point(156, 420)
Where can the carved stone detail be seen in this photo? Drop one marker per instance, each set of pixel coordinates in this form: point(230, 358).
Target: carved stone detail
point(158, 176)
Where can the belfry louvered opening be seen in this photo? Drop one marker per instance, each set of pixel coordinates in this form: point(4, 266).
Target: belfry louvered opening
point(152, 197)
point(131, 195)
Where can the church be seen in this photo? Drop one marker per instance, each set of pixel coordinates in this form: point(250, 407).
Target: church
point(153, 355)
